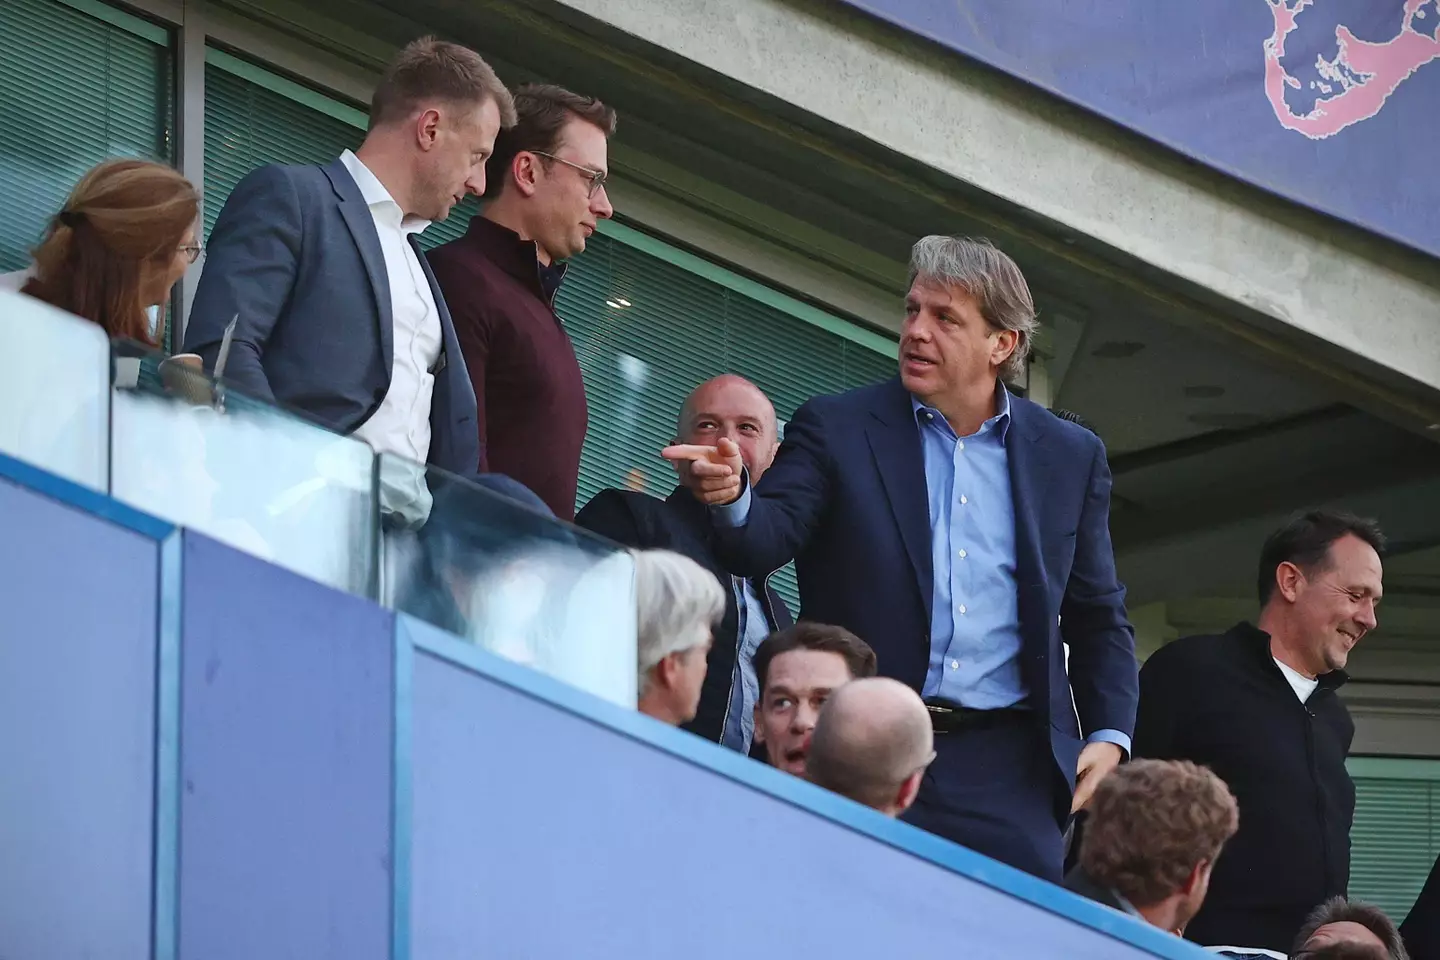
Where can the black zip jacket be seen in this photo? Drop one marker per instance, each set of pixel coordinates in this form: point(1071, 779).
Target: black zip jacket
point(1224, 703)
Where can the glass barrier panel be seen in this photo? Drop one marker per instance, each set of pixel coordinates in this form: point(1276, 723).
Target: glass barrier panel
point(509, 578)
point(245, 472)
point(54, 390)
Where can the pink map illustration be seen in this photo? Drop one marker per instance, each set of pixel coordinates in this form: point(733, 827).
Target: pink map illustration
point(1355, 84)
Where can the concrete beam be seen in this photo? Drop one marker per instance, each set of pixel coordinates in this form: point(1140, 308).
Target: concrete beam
point(1290, 272)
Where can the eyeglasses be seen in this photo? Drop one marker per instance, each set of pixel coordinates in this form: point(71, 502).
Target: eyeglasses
point(192, 251)
point(597, 178)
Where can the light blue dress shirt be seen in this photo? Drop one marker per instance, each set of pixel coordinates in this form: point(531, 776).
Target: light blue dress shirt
point(975, 618)
point(753, 628)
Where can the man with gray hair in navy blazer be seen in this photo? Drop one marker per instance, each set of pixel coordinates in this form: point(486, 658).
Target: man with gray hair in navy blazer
point(339, 316)
point(962, 531)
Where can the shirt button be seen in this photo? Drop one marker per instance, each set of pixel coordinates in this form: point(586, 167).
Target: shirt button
point(962, 609)
point(929, 417)
point(954, 664)
point(962, 554)
point(962, 444)
point(964, 499)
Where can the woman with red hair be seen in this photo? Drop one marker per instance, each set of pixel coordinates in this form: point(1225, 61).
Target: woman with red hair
point(124, 237)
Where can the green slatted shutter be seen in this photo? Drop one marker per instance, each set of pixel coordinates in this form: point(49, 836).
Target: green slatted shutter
point(1396, 836)
point(74, 90)
point(680, 328)
point(254, 117)
point(248, 125)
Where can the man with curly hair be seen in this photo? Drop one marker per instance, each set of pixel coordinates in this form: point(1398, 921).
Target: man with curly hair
point(1154, 832)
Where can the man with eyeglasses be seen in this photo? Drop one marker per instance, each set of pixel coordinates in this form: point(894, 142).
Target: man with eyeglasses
point(544, 199)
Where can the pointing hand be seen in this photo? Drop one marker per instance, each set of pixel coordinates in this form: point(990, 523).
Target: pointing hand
point(713, 473)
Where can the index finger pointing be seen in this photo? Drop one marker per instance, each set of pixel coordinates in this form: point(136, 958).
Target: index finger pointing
point(688, 451)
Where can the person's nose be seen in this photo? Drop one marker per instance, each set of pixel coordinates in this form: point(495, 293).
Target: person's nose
point(475, 183)
point(600, 204)
point(1367, 617)
point(804, 719)
point(917, 328)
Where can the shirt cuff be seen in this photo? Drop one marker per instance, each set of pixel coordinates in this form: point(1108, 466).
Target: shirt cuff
point(734, 514)
point(1110, 736)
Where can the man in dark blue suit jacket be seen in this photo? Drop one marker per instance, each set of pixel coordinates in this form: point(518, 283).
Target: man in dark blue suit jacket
point(339, 315)
point(964, 533)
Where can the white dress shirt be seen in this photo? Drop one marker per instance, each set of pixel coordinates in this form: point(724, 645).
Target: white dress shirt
point(401, 424)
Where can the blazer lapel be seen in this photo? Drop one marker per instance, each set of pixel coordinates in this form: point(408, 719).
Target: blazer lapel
point(356, 214)
point(895, 443)
point(1030, 472)
point(449, 345)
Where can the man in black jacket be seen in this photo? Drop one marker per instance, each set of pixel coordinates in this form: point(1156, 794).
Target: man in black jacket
point(1258, 705)
point(733, 407)
point(1422, 928)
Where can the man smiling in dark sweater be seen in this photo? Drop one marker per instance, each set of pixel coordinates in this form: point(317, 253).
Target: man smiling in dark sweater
point(1258, 705)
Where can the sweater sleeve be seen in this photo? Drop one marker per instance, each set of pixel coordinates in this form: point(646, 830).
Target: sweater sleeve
point(474, 329)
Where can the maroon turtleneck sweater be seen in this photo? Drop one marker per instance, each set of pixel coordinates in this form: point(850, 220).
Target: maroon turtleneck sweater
point(528, 388)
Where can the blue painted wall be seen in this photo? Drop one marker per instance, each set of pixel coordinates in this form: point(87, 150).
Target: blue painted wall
point(299, 730)
point(285, 767)
point(558, 836)
point(78, 617)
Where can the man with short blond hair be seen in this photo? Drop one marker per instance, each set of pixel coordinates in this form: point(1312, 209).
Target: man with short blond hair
point(1154, 831)
point(546, 197)
point(336, 312)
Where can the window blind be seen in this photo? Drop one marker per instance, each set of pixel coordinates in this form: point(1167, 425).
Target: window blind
point(647, 331)
point(1396, 836)
point(74, 90)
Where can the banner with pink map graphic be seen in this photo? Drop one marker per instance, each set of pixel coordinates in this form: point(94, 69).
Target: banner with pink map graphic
point(1334, 104)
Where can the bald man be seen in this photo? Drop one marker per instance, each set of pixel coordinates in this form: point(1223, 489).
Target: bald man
point(872, 743)
point(731, 407)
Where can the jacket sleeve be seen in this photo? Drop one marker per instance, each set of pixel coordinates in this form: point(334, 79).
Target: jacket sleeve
point(1103, 669)
point(469, 312)
point(251, 262)
point(608, 515)
point(785, 506)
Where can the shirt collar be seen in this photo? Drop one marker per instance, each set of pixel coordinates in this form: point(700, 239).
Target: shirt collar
point(1000, 422)
point(1125, 905)
point(1259, 641)
point(375, 194)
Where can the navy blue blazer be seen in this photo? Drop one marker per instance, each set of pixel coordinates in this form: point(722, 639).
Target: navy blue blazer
point(846, 499)
point(295, 254)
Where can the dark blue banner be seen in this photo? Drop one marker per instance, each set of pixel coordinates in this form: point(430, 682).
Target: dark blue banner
point(1331, 103)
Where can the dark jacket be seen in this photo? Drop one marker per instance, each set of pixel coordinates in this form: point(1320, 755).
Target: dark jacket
point(1078, 881)
point(1224, 703)
point(680, 523)
point(296, 257)
point(527, 383)
point(1421, 928)
point(846, 499)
